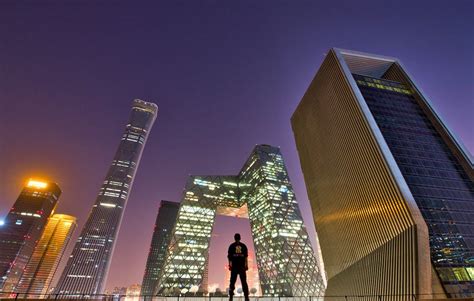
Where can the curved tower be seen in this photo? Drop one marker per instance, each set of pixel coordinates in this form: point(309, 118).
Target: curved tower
point(87, 267)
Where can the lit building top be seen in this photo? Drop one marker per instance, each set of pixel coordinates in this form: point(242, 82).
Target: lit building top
point(36, 184)
point(22, 229)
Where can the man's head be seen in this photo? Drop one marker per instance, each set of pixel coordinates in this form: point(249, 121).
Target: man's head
point(237, 237)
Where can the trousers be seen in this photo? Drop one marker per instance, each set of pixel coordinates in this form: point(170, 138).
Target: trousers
point(243, 280)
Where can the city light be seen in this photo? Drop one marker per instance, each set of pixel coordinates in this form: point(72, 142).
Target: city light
point(37, 184)
point(2, 222)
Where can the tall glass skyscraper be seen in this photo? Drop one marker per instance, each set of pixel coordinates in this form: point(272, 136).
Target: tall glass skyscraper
point(390, 185)
point(86, 270)
point(42, 266)
point(262, 192)
point(164, 224)
point(23, 228)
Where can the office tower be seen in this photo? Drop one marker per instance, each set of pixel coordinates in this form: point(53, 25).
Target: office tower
point(86, 270)
point(263, 193)
point(40, 270)
point(159, 245)
point(390, 185)
point(22, 229)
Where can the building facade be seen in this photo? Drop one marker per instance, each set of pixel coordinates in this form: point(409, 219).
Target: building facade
point(43, 264)
point(390, 185)
point(23, 228)
point(262, 192)
point(86, 270)
point(164, 224)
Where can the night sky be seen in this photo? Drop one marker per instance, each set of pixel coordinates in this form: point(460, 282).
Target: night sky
point(226, 75)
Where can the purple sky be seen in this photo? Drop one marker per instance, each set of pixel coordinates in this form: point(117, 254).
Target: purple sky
point(226, 75)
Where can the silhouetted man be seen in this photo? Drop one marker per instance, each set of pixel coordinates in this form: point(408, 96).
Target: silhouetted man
point(238, 265)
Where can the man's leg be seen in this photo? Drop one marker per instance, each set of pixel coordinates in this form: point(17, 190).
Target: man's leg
point(233, 279)
point(245, 287)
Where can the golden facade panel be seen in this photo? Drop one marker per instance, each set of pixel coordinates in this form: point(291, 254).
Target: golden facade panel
point(373, 238)
point(37, 277)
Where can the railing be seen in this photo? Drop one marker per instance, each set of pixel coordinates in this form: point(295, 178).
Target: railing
point(214, 297)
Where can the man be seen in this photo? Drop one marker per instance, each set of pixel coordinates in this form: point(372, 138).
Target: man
point(238, 265)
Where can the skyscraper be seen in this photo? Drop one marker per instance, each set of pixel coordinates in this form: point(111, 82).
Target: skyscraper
point(159, 245)
point(262, 192)
point(390, 185)
point(87, 267)
point(22, 229)
point(41, 268)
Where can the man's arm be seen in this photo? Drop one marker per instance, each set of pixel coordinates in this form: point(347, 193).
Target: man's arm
point(246, 254)
point(229, 257)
